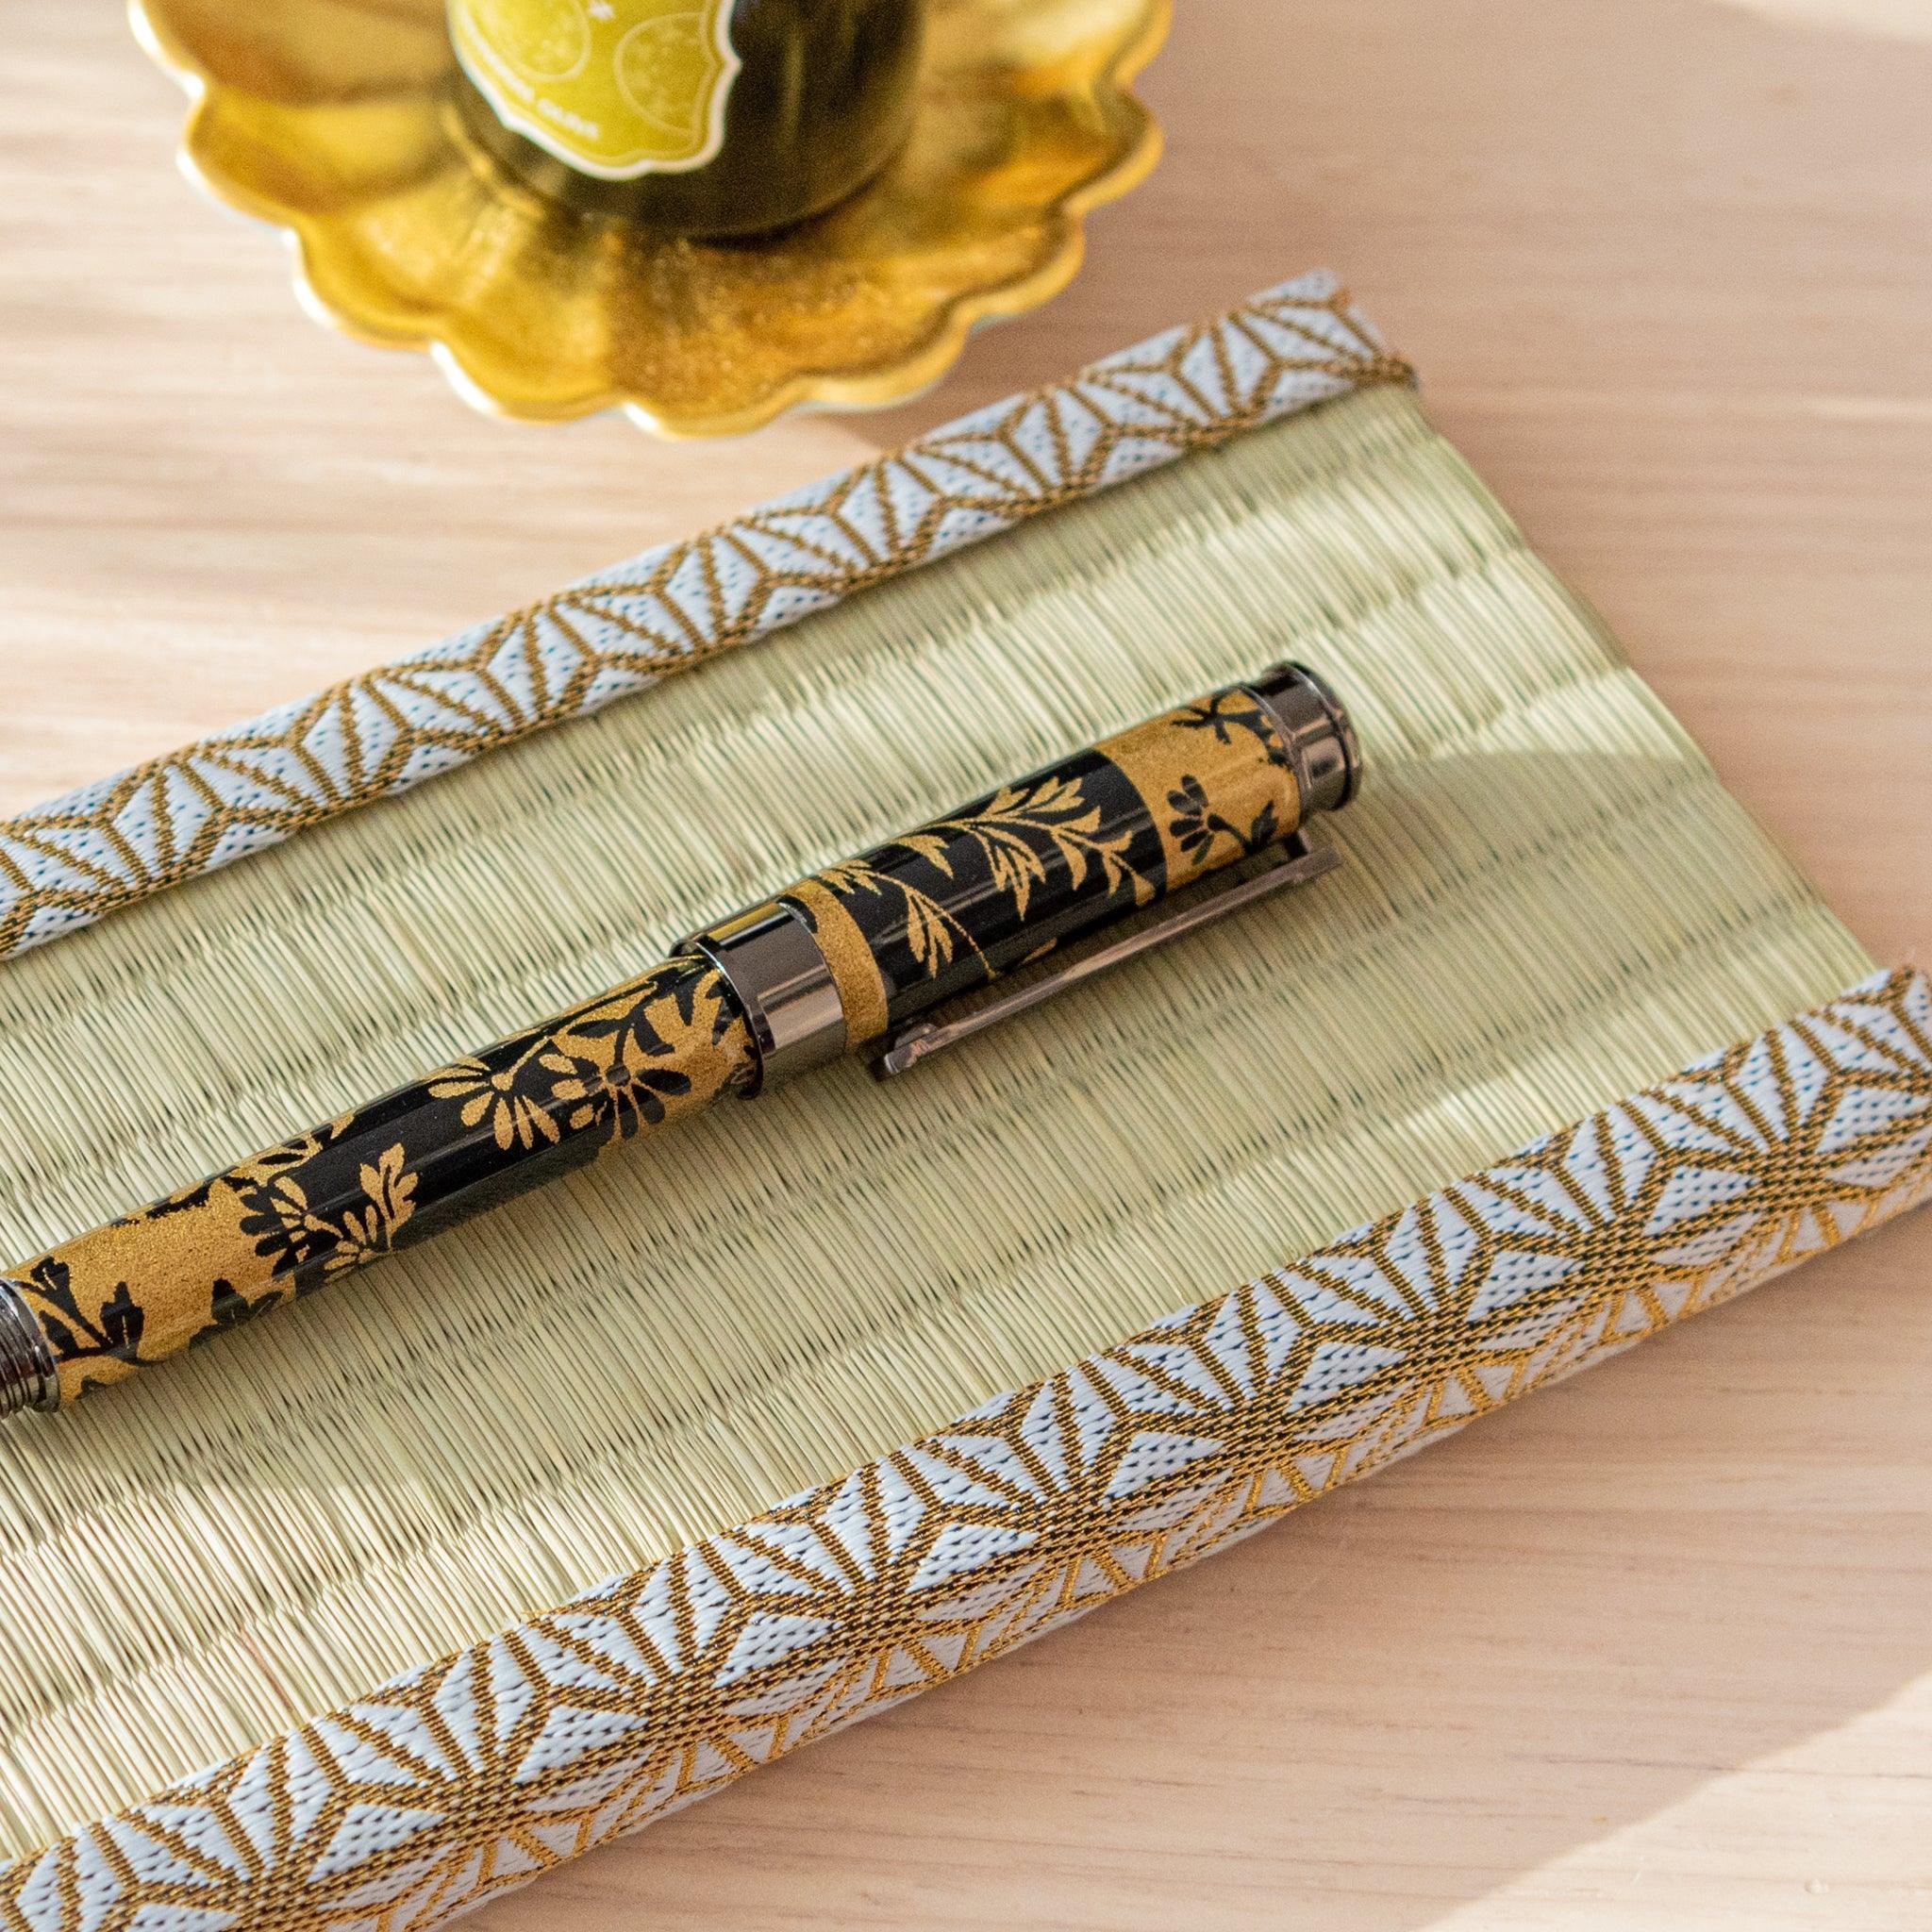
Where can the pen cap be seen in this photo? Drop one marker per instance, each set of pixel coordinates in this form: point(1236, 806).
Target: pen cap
point(1037, 862)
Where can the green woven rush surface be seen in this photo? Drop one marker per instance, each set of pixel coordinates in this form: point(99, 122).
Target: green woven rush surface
point(1549, 902)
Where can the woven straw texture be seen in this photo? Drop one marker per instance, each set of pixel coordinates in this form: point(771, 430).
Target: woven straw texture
point(1550, 903)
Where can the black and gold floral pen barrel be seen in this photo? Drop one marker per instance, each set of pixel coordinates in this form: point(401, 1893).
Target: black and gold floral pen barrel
point(856, 953)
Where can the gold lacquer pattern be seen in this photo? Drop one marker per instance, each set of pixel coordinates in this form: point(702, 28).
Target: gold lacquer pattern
point(337, 120)
point(80, 857)
point(347, 1192)
point(1016, 874)
point(472, 1774)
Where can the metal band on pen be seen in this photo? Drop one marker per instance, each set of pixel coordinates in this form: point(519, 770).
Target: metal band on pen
point(779, 977)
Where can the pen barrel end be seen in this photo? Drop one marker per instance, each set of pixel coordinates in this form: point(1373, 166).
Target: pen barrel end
point(1320, 738)
point(29, 1378)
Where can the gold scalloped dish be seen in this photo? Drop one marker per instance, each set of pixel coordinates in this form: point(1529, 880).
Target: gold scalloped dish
point(335, 120)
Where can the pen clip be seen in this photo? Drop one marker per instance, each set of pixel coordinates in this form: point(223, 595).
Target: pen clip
point(1298, 863)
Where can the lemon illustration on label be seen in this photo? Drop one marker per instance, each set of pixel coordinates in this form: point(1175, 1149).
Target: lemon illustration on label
point(615, 87)
point(542, 43)
point(666, 68)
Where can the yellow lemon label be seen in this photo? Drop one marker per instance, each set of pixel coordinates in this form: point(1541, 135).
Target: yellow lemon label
point(615, 87)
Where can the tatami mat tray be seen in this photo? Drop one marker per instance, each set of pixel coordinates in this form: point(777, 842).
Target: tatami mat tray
point(581, 1511)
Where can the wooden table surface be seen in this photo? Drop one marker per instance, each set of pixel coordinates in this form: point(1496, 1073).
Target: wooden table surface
point(1654, 1650)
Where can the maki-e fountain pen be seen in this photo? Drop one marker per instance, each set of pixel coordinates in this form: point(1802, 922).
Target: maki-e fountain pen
point(856, 958)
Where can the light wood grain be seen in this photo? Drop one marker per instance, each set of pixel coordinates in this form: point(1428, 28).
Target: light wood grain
point(1653, 1651)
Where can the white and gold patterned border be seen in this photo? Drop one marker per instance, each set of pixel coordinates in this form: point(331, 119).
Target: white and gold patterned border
point(70, 862)
point(471, 1776)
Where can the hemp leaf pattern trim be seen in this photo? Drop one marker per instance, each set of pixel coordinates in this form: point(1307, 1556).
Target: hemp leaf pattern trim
point(109, 845)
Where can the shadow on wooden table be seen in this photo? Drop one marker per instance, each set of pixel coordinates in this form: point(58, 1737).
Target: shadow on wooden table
point(1478, 185)
point(1443, 1684)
